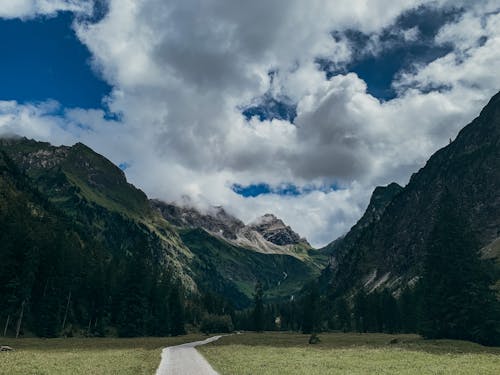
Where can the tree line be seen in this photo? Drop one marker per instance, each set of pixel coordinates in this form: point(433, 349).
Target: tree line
point(452, 299)
point(60, 278)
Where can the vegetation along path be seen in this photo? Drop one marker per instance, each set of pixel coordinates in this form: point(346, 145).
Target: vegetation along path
point(185, 360)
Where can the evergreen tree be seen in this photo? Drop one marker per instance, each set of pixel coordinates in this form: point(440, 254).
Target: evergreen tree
point(457, 301)
point(342, 315)
point(408, 307)
point(48, 315)
point(177, 311)
point(390, 312)
point(133, 311)
point(310, 303)
point(258, 311)
point(360, 311)
point(159, 324)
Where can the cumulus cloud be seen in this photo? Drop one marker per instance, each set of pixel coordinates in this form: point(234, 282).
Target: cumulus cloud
point(182, 70)
point(32, 8)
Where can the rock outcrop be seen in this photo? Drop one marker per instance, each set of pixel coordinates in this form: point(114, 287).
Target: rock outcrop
point(267, 234)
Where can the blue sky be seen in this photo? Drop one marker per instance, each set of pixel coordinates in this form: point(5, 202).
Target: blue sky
point(299, 110)
point(43, 59)
point(398, 54)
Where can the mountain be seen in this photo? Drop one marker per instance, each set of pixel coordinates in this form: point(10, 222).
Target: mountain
point(216, 221)
point(276, 232)
point(212, 252)
point(230, 257)
point(233, 271)
point(67, 262)
point(386, 248)
point(267, 234)
point(95, 194)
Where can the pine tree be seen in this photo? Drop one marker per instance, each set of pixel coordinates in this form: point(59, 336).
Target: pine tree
point(133, 306)
point(360, 311)
point(177, 311)
point(408, 307)
point(457, 301)
point(310, 318)
point(343, 315)
point(258, 311)
point(390, 312)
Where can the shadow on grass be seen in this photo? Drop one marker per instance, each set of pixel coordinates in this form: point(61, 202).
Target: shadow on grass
point(409, 342)
point(97, 343)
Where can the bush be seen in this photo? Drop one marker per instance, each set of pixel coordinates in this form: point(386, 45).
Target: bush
point(216, 324)
point(314, 339)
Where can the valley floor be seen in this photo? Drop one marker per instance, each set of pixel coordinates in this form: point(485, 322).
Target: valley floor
point(86, 356)
point(339, 353)
point(253, 353)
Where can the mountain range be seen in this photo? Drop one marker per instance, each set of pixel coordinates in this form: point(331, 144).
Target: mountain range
point(72, 224)
point(210, 250)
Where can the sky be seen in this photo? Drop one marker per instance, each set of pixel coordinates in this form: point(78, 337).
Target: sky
point(292, 107)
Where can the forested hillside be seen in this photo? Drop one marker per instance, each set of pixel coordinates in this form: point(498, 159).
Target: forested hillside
point(83, 252)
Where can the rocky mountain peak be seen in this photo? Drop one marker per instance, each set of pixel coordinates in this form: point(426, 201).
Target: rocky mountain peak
point(380, 199)
point(216, 220)
point(276, 231)
point(266, 234)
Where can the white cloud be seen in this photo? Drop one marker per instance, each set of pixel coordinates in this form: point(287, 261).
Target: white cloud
point(181, 70)
point(32, 8)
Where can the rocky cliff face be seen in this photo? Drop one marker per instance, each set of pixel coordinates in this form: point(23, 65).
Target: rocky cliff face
point(267, 234)
point(386, 247)
point(275, 231)
point(217, 220)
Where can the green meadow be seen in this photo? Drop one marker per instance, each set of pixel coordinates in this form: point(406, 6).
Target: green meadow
point(85, 356)
point(255, 353)
point(350, 353)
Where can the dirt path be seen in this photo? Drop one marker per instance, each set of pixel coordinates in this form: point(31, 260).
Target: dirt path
point(185, 360)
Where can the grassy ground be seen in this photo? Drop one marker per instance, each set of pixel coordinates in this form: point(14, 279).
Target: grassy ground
point(338, 353)
point(85, 356)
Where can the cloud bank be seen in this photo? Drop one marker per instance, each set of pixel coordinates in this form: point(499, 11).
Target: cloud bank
point(182, 71)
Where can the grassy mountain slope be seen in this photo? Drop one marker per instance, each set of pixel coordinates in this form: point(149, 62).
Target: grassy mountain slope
point(94, 193)
point(57, 273)
point(233, 271)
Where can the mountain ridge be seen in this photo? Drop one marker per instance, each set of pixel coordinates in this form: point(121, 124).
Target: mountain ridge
point(389, 251)
point(95, 195)
point(266, 234)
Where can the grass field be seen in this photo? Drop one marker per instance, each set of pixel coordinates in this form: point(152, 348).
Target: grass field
point(251, 353)
point(85, 356)
point(338, 353)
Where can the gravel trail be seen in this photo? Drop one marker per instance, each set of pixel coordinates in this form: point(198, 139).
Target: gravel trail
point(185, 360)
